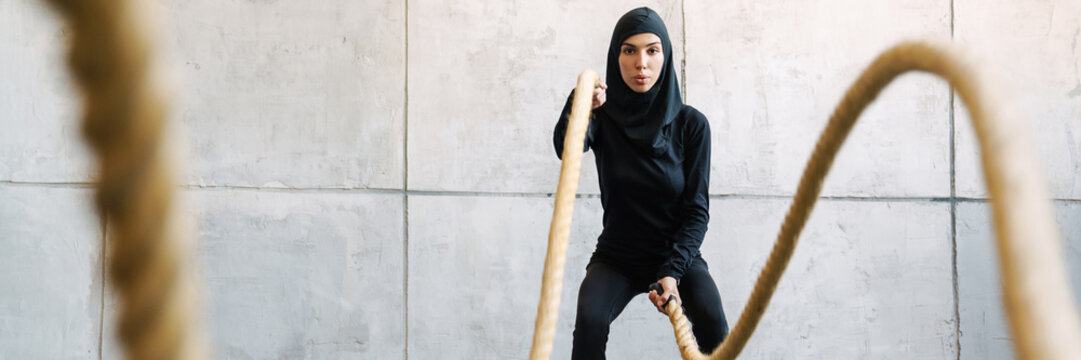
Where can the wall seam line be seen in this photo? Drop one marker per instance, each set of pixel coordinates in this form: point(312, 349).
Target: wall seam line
point(101, 315)
point(397, 191)
point(953, 209)
point(71, 184)
point(683, 66)
point(405, 184)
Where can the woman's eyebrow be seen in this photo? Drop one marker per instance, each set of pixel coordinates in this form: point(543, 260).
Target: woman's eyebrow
point(647, 45)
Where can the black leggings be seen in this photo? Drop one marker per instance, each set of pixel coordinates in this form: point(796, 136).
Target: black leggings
point(606, 290)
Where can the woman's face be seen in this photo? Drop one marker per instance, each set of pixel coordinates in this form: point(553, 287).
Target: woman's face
point(640, 61)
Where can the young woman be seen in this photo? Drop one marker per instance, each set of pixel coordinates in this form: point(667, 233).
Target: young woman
point(652, 156)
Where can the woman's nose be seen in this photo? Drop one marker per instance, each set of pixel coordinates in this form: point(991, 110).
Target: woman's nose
point(641, 63)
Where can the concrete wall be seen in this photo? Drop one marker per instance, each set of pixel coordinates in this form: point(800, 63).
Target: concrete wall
point(373, 179)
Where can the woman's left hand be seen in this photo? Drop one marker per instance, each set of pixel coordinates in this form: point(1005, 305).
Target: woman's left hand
point(668, 284)
point(599, 96)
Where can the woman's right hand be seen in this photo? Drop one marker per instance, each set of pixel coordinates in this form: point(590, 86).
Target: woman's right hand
point(599, 96)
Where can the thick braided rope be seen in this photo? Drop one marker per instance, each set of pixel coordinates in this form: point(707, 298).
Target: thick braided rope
point(124, 108)
point(1039, 305)
point(544, 329)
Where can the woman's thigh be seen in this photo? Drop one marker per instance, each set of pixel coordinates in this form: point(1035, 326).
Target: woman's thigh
point(702, 301)
point(604, 293)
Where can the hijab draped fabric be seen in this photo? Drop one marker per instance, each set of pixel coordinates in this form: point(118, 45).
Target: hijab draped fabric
point(645, 117)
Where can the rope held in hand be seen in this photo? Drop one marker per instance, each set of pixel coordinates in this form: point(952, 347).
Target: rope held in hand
point(1038, 302)
point(124, 107)
point(544, 330)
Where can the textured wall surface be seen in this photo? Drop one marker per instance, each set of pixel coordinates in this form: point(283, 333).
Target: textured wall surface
point(374, 179)
point(1035, 49)
point(769, 90)
point(984, 334)
point(50, 270)
point(286, 94)
point(39, 142)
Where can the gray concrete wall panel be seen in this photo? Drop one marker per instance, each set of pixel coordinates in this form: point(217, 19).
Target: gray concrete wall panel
point(291, 94)
point(316, 275)
point(984, 331)
point(768, 74)
point(868, 280)
point(50, 273)
point(1031, 49)
point(40, 140)
point(312, 275)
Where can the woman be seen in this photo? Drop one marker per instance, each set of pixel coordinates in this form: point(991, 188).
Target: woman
point(652, 156)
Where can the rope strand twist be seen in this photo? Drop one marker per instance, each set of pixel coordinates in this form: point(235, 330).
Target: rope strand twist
point(111, 59)
point(544, 329)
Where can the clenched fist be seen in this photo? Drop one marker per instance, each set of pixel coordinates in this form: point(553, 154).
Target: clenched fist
point(598, 95)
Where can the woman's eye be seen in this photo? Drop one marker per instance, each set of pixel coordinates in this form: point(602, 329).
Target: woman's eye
point(654, 51)
point(628, 51)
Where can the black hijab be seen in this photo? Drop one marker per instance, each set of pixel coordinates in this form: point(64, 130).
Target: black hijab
point(643, 117)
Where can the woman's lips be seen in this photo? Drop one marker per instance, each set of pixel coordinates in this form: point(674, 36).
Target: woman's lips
point(641, 80)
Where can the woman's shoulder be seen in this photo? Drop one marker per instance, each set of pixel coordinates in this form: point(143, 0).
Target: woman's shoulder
point(693, 119)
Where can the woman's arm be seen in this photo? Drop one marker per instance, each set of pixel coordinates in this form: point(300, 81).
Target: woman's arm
point(696, 148)
point(561, 127)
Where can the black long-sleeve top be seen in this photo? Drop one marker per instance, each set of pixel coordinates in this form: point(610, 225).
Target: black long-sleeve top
point(656, 209)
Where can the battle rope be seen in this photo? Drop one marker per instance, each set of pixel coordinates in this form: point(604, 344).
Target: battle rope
point(1039, 305)
point(544, 329)
point(124, 108)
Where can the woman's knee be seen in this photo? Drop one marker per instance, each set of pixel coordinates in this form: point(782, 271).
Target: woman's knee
point(591, 328)
point(591, 316)
point(711, 315)
point(710, 328)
